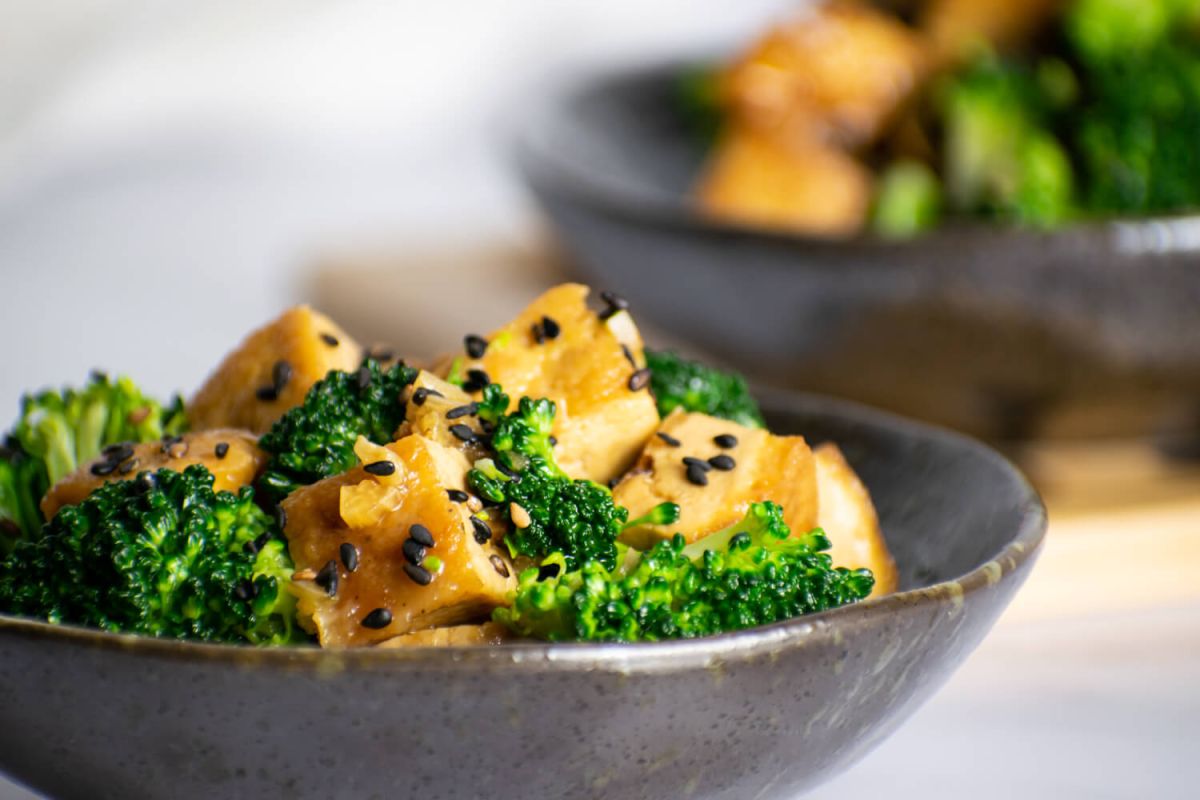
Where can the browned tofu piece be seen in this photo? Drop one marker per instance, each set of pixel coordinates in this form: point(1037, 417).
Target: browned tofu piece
point(848, 517)
point(456, 636)
point(957, 29)
point(837, 72)
point(375, 517)
point(233, 466)
point(756, 179)
point(585, 365)
point(432, 407)
point(289, 355)
point(766, 467)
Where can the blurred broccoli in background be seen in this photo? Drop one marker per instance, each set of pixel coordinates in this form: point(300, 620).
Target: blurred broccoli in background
point(1136, 129)
point(1000, 156)
point(160, 555)
point(316, 439)
point(59, 430)
point(751, 573)
point(908, 200)
point(693, 386)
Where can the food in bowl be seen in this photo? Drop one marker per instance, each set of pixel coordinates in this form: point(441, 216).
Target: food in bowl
point(552, 480)
point(848, 117)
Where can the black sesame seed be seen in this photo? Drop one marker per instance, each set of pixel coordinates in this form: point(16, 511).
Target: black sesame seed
point(379, 618)
point(462, 411)
point(419, 575)
point(221, 450)
point(103, 468)
point(252, 547)
point(118, 452)
point(421, 535)
point(414, 552)
point(458, 495)
point(508, 471)
point(639, 380)
point(266, 393)
point(547, 571)
point(261, 541)
point(281, 373)
point(246, 590)
point(363, 377)
point(629, 356)
point(669, 439)
point(551, 328)
point(698, 463)
point(477, 380)
point(349, 556)
point(499, 565)
point(483, 533)
point(128, 465)
point(420, 394)
point(538, 333)
point(329, 339)
point(170, 439)
point(280, 517)
point(99, 376)
point(476, 345)
point(697, 475)
point(380, 468)
point(722, 462)
point(726, 440)
point(615, 304)
point(327, 578)
point(464, 433)
point(147, 482)
point(553, 440)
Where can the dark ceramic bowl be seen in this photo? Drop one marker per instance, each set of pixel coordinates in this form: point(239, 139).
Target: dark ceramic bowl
point(1002, 333)
point(762, 713)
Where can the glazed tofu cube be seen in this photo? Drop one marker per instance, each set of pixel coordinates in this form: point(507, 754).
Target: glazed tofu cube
point(384, 550)
point(561, 349)
point(271, 371)
point(753, 466)
point(847, 515)
point(231, 456)
point(433, 407)
point(454, 636)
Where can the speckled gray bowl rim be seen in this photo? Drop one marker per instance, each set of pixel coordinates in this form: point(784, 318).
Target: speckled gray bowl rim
point(641, 658)
point(539, 161)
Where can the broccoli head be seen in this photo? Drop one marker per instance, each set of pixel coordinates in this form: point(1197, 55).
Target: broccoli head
point(679, 383)
point(752, 573)
point(1001, 158)
point(160, 555)
point(576, 518)
point(59, 430)
point(316, 439)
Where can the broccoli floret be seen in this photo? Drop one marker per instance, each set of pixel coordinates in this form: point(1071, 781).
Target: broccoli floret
point(1101, 30)
point(316, 439)
point(161, 555)
point(577, 518)
point(751, 573)
point(59, 430)
point(1001, 158)
point(1136, 133)
point(679, 383)
point(908, 200)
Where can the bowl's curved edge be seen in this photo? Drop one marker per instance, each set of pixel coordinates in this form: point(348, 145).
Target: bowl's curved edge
point(639, 658)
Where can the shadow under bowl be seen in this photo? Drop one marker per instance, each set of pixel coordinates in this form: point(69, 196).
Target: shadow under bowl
point(1006, 334)
point(766, 713)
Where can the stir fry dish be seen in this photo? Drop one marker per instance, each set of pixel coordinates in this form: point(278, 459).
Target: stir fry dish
point(852, 117)
point(553, 480)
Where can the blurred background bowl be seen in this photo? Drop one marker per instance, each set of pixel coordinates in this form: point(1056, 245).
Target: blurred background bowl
point(1007, 334)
